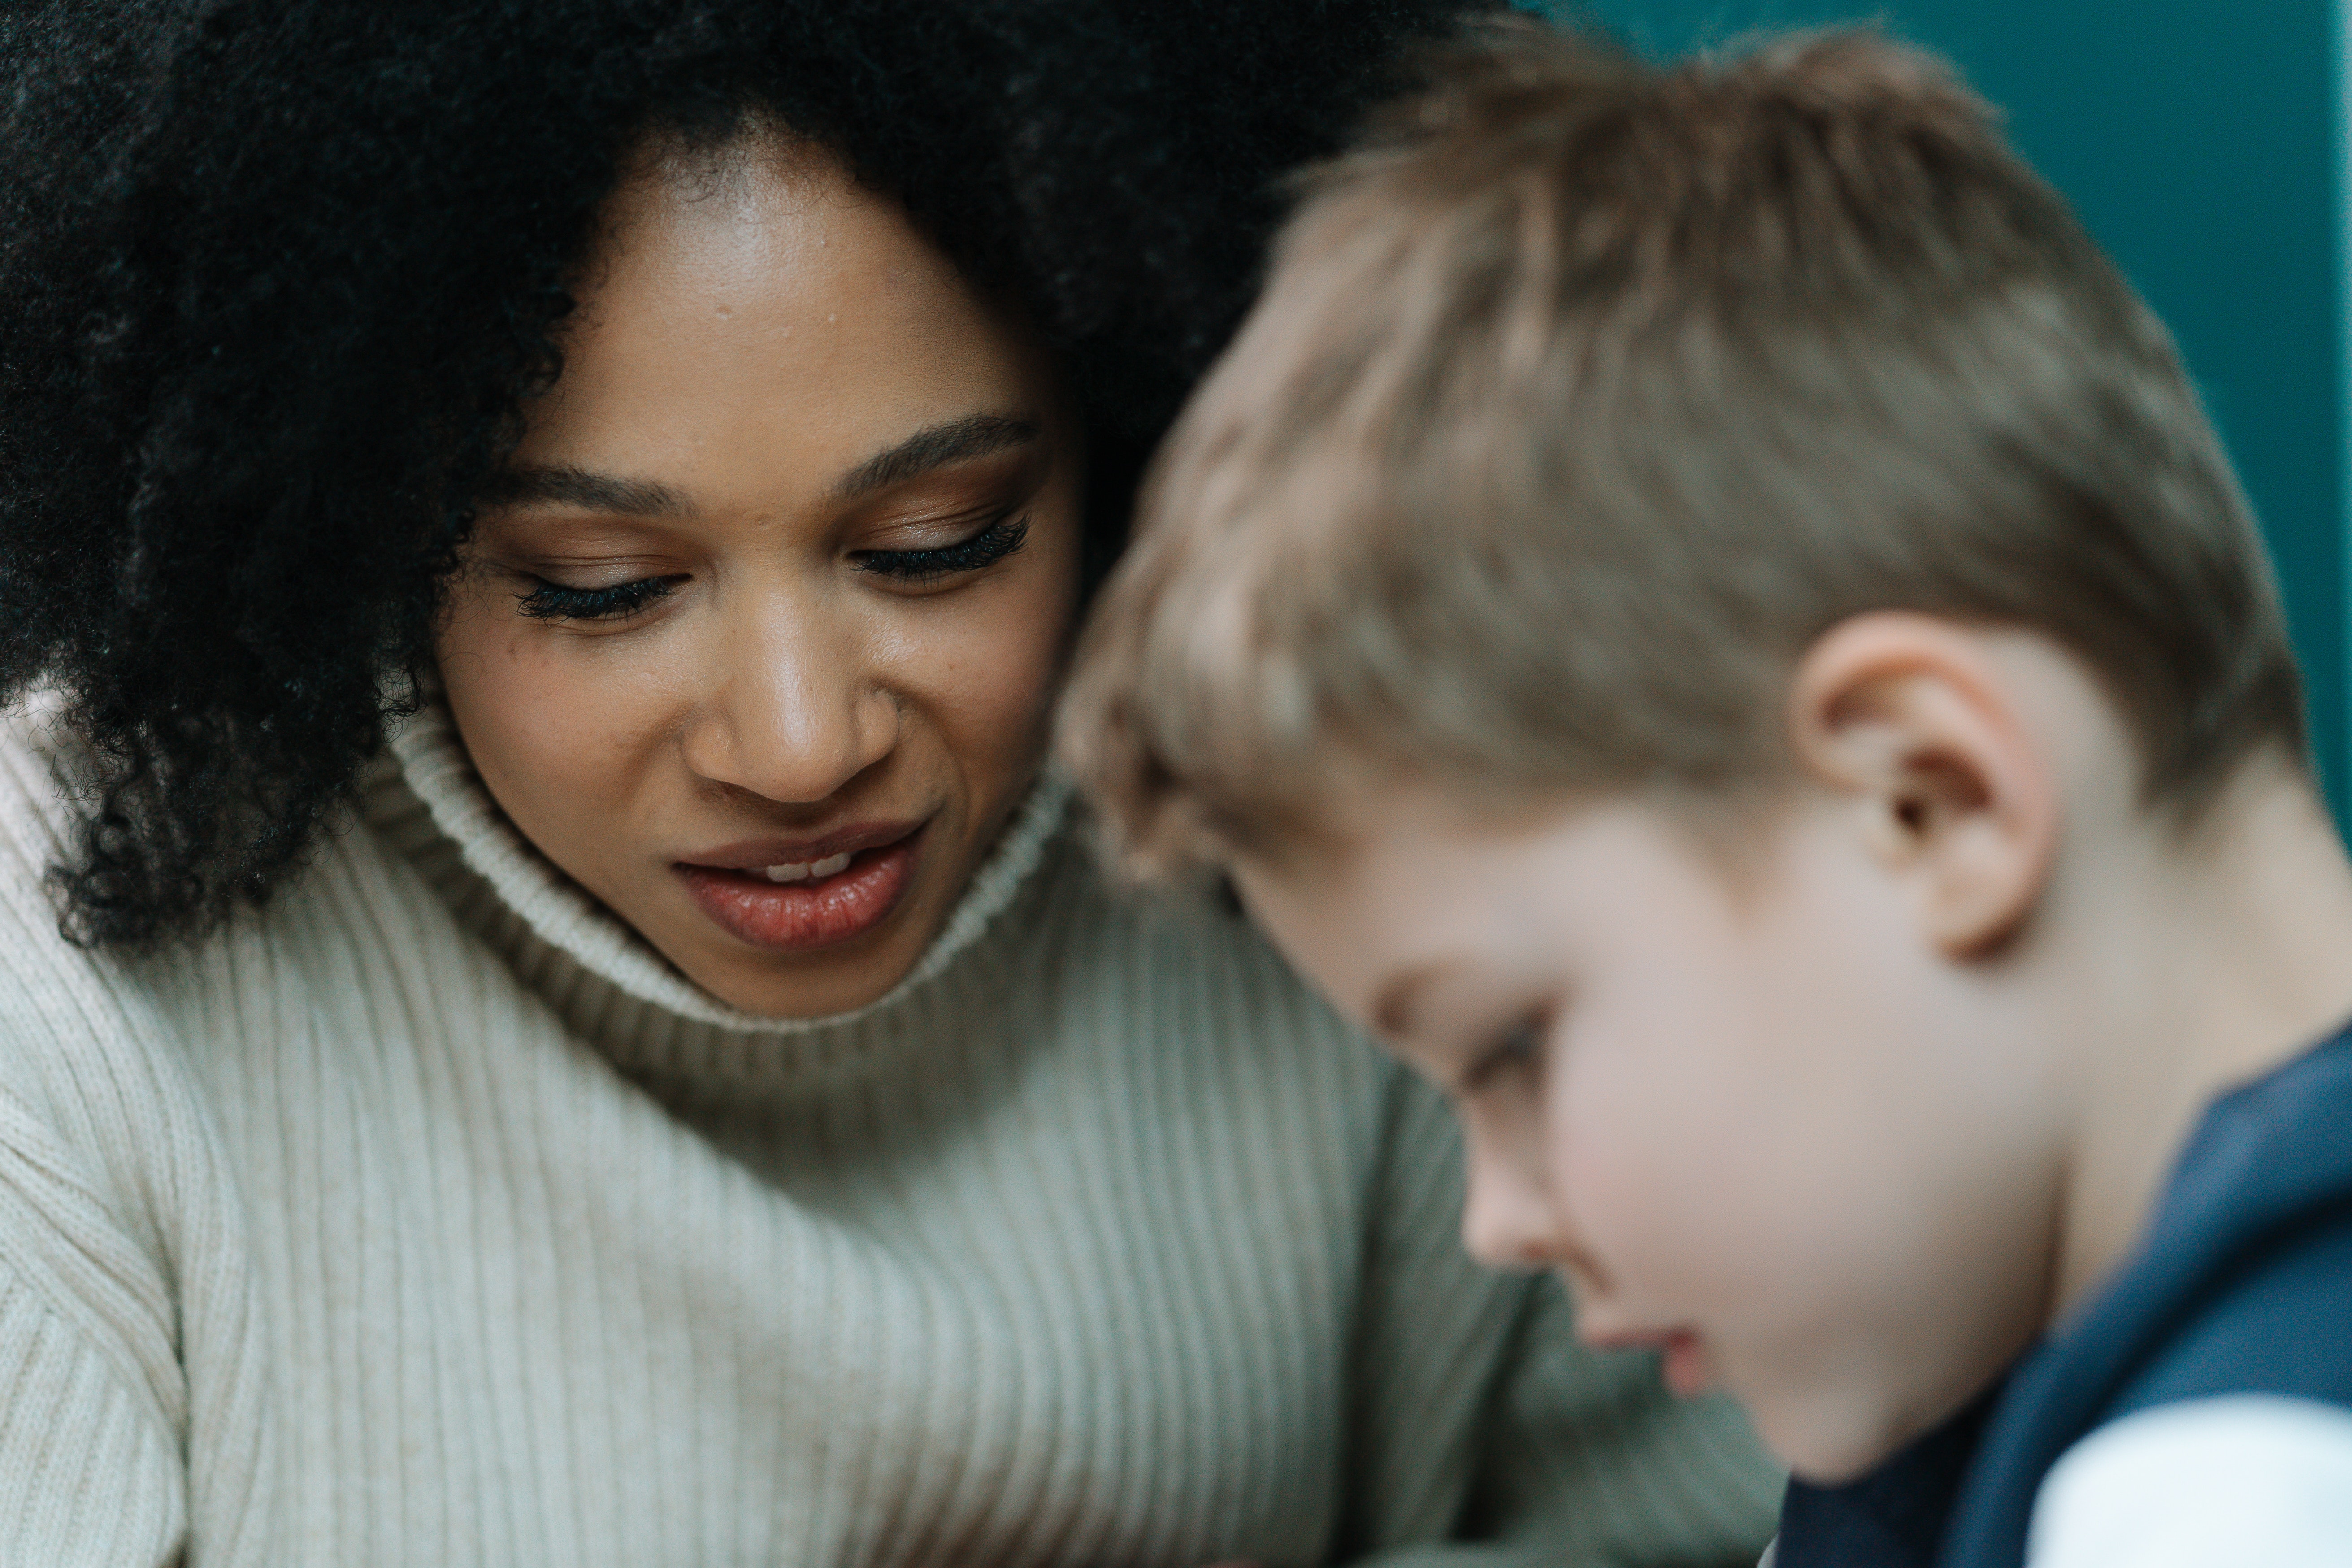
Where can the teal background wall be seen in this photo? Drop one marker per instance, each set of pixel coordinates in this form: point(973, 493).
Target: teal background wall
point(2199, 143)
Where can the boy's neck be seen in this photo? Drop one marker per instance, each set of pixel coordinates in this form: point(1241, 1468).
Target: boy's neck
point(2231, 954)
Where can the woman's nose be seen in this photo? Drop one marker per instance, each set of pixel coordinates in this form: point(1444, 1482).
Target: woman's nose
point(792, 713)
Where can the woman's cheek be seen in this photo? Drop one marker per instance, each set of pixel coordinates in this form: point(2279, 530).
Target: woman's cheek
point(548, 717)
point(988, 669)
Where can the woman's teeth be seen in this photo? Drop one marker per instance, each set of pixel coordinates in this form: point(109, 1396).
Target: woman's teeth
point(809, 870)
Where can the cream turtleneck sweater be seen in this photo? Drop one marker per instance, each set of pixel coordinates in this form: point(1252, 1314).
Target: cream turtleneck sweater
point(430, 1218)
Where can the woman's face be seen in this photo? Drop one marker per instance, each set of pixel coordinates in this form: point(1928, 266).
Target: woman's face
point(758, 638)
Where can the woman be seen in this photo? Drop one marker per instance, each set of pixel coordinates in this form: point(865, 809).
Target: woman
point(539, 539)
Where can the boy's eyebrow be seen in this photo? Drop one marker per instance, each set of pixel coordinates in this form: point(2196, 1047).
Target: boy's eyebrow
point(935, 447)
point(1395, 1004)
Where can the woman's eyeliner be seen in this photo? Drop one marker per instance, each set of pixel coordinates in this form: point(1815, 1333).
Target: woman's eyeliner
point(1002, 537)
point(554, 602)
point(991, 544)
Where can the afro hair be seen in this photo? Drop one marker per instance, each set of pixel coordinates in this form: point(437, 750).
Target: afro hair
point(277, 275)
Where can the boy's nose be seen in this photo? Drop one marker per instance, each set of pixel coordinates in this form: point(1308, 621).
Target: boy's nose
point(1507, 1220)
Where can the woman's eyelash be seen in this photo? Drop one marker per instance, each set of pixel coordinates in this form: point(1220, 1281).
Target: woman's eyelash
point(554, 602)
point(986, 548)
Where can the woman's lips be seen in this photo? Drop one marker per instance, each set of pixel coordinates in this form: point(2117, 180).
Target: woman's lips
point(794, 917)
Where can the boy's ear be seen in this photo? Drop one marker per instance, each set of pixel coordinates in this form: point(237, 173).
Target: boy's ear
point(1908, 717)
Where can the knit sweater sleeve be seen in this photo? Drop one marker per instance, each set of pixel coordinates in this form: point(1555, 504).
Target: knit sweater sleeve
point(1486, 1436)
point(113, 1242)
point(90, 1471)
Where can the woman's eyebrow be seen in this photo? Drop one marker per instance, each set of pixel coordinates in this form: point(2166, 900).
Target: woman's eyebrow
point(935, 447)
point(956, 441)
point(566, 486)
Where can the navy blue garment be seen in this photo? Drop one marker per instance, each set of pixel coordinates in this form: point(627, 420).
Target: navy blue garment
point(2243, 1284)
point(1893, 1517)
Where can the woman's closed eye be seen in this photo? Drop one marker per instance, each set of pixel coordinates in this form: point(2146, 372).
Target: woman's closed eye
point(556, 602)
point(999, 538)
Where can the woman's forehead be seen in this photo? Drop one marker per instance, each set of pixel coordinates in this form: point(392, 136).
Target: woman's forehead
point(777, 328)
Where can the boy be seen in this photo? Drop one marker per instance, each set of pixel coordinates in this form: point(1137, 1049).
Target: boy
point(1703, 612)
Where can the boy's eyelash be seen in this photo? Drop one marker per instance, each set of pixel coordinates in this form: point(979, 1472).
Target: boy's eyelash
point(991, 544)
point(1519, 1045)
point(554, 602)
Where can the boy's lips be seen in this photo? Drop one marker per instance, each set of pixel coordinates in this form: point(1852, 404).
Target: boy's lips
point(1682, 1358)
point(796, 895)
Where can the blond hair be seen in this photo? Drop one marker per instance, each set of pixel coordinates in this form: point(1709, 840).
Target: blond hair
point(1585, 395)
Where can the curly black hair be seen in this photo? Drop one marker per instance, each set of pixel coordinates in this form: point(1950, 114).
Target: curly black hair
point(275, 276)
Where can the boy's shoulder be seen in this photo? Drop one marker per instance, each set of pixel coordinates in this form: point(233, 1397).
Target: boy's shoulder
point(2209, 1482)
point(2238, 1289)
point(2232, 1310)
point(2251, 1251)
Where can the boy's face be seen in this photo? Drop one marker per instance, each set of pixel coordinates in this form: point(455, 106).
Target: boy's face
point(1756, 1119)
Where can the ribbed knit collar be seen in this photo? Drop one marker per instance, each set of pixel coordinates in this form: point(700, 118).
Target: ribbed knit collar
point(434, 766)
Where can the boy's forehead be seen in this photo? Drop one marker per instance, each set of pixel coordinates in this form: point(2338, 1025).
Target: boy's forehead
point(1403, 877)
point(1428, 898)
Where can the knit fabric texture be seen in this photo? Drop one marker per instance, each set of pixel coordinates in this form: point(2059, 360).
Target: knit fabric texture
point(429, 1218)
